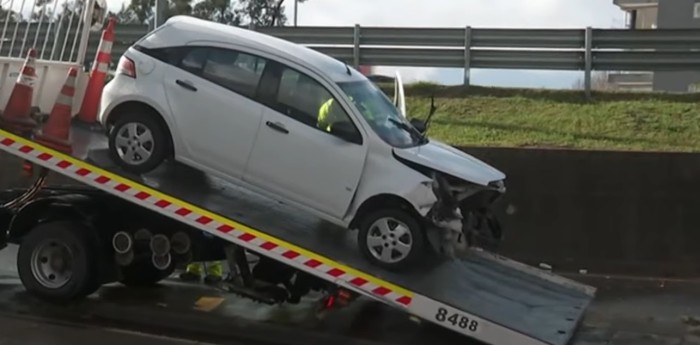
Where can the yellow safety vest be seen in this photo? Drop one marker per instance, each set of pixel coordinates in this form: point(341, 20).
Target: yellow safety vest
point(323, 116)
point(324, 122)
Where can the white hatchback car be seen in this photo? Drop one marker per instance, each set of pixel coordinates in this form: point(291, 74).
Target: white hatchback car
point(288, 122)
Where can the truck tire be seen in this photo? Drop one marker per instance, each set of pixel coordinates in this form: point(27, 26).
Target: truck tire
point(144, 274)
point(55, 261)
point(395, 231)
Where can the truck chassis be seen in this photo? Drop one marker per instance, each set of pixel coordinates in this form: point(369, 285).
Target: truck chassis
point(112, 240)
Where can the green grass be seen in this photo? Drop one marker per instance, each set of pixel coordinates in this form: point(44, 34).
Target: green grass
point(480, 116)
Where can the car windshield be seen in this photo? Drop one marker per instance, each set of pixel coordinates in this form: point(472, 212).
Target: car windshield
point(381, 114)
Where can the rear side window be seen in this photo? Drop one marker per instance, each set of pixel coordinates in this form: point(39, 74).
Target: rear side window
point(236, 71)
point(193, 61)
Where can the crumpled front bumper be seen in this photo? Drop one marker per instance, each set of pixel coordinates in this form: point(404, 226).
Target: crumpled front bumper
point(463, 216)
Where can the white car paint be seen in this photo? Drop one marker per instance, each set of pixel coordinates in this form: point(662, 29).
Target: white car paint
point(452, 161)
point(233, 136)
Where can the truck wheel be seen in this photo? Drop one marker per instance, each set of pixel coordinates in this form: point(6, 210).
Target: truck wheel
point(391, 238)
point(138, 143)
point(144, 274)
point(55, 261)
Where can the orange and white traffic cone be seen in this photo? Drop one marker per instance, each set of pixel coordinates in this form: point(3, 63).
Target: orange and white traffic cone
point(56, 131)
point(17, 116)
point(93, 92)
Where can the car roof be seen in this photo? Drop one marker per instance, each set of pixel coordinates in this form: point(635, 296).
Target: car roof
point(179, 30)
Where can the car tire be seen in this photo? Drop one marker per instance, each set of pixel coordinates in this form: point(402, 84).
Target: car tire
point(150, 138)
point(42, 257)
point(373, 235)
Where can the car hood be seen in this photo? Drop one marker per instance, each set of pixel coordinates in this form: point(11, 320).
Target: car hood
point(452, 161)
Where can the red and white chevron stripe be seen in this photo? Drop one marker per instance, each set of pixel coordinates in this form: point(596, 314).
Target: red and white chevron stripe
point(224, 228)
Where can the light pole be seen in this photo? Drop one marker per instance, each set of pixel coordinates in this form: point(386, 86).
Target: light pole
point(296, 6)
point(161, 5)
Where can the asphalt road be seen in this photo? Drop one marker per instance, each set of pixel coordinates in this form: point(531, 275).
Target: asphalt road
point(23, 330)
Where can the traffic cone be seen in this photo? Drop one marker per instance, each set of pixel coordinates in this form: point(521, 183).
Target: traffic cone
point(87, 116)
point(17, 117)
point(56, 131)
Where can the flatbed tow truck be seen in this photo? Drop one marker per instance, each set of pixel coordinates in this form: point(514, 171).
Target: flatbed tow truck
point(137, 229)
point(111, 226)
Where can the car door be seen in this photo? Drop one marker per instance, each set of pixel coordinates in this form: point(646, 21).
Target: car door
point(210, 91)
point(295, 158)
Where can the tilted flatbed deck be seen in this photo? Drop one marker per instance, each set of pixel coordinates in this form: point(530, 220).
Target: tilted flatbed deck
point(485, 297)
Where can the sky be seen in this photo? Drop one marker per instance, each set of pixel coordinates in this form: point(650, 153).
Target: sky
point(461, 13)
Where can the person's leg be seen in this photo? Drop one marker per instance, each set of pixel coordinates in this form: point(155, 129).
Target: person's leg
point(215, 272)
point(192, 272)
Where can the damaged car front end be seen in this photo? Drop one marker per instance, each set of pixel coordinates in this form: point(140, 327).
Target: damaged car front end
point(466, 191)
point(463, 215)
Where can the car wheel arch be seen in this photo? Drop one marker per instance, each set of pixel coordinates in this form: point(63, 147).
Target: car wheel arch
point(148, 110)
point(382, 201)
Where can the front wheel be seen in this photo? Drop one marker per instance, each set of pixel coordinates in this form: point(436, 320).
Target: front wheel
point(391, 238)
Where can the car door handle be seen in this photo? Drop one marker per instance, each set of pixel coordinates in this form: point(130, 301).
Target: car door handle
point(277, 126)
point(186, 84)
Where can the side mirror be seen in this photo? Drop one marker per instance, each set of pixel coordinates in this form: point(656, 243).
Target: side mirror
point(418, 124)
point(346, 131)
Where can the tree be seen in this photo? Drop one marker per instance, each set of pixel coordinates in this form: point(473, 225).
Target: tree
point(179, 7)
point(220, 11)
point(126, 16)
point(264, 12)
point(142, 9)
point(232, 12)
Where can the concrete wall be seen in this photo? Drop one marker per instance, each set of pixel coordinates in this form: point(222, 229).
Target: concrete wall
point(607, 212)
point(676, 14)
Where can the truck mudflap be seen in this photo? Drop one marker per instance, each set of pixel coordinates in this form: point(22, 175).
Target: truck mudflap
point(480, 295)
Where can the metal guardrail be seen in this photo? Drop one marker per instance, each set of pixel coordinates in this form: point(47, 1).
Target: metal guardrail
point(545, 49)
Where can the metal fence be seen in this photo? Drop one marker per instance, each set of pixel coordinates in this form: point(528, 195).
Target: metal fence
point(544, 49)
point(55, 28)
point(584, 50)
point(62, 45)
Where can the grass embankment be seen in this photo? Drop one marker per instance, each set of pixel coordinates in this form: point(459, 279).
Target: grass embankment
point(481, 116)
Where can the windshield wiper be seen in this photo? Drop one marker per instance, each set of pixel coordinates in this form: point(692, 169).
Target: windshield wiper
point(400, 124)
point(415, 133)
point(426, 124)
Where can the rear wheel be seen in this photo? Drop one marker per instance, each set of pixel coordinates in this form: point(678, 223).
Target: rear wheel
point(391, 238)
point(55, 261)
point(138, 143)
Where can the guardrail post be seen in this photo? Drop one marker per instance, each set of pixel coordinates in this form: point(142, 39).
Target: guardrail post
point(588, 61)
point(356, 47)
point(467, 54)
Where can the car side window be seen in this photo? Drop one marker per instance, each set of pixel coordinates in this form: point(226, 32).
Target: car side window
point(193, 61)
point(304, 99)
point(236, 71)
